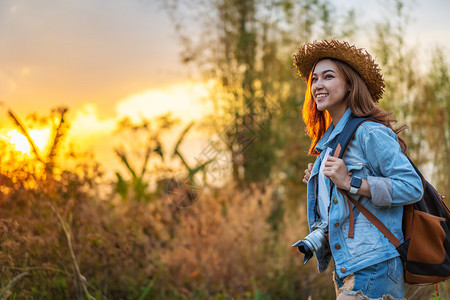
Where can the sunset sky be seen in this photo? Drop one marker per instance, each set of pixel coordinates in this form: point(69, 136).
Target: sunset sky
point(109, 59)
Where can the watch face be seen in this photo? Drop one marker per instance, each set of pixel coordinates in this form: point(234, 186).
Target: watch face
point(356, 182)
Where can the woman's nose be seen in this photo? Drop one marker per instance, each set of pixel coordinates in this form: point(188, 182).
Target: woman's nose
point(318, 84)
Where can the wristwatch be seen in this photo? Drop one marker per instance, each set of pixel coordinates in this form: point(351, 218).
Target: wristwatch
point(355, 184)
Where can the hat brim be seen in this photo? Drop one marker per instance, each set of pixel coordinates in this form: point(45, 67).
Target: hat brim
point(361, 61)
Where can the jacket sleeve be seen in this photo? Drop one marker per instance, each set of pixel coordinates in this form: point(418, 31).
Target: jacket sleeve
point(395, 181)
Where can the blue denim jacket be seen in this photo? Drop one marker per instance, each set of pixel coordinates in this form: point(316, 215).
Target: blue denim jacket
point(374, 154)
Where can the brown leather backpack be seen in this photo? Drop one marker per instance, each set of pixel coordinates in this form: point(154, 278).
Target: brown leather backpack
point(426, 248)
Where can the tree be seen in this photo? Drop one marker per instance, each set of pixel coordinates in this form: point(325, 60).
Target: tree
point(431, 122)
point(245, 47)
point(418, 99)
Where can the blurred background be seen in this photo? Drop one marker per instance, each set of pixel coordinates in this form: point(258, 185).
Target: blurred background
point(155, 149)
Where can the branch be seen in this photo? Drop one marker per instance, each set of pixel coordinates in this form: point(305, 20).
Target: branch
point(59, 133)
point(24, 131)
point(5, 292)
point(68, 234)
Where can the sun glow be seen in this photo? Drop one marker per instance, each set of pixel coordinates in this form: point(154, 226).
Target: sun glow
point(184, 100)
point(20, 143)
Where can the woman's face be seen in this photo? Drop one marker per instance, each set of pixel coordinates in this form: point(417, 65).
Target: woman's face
point(329, 88)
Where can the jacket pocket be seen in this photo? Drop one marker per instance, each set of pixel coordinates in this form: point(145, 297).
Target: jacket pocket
point(359, 170)
point(367, 237)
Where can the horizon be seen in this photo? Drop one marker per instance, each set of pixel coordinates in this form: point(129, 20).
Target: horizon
point(109, 60)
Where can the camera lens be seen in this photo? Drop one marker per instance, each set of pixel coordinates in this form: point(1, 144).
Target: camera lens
point(315, 239)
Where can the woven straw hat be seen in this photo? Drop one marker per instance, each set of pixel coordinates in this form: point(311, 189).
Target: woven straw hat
point(358, 59)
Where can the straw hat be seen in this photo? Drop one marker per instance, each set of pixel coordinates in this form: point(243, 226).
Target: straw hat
point(358, 59)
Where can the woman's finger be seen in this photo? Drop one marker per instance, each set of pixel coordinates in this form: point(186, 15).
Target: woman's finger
point(305, 179)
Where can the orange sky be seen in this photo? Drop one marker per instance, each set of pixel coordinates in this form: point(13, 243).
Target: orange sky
point(103, 59)
point(108, 59)
point(79, 51)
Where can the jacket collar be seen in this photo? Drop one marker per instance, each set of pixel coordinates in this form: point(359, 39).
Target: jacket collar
point(330, 135)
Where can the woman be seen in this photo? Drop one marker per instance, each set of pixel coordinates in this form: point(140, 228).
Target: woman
point(343, 80)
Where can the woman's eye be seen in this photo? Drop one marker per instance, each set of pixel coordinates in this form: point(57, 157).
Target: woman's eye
point(313, 79)
point(328, 76)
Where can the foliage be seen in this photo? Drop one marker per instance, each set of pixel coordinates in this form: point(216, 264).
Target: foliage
point(419, 99)
point(145, 146)
point(245, 48)
point(70, 243)
point(64, 235)
point(223, 247)
point(160, 173)
point(59, 127)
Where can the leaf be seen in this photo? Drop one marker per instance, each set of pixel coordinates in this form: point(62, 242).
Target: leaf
point(123, 157)
point(147, 289)
point(202, 166)
point(121, 186)
point(24, 131)
point(159, 150)
point(181, 137)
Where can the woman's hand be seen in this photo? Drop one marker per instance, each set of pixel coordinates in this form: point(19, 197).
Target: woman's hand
point(307, 173)
point(336, 170)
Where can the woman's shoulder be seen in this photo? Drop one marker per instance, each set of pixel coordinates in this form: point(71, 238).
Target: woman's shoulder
point(376, 138)
point(374, 131)
point(372, 127)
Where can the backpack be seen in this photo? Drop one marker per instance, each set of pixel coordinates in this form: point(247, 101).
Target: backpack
point(426, 250)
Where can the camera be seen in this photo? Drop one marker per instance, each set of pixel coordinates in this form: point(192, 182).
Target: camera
point(313, 241)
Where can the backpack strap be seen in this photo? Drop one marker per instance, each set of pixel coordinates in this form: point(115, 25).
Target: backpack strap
point(351, 225)
point(338, 151)
point(373, 219)
point(339, 148)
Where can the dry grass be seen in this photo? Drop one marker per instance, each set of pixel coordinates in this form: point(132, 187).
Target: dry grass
point(224, 246)
point(231, 244)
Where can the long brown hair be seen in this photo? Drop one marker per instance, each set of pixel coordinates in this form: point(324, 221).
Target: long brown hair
point(358, 100)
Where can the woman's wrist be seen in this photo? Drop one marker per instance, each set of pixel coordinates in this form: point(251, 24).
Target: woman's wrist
point(347, 184)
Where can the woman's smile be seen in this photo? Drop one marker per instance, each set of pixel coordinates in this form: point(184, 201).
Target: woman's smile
point(320, 96)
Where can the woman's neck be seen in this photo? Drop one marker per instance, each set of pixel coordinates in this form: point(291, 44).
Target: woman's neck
point(337, 114)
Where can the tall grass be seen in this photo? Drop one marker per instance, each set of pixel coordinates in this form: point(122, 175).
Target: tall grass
point(73, 244)
point(63, 237)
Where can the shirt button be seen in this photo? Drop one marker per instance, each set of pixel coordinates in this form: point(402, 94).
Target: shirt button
point(337, 246)
point(336, 224)
point(343, 270)
point(334, 201)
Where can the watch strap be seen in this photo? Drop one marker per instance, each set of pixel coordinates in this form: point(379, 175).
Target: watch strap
point(353, 190)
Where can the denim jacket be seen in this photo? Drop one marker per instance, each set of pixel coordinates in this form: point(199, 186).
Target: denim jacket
point(375, 155)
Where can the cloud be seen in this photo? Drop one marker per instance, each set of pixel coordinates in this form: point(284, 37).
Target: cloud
point(183, 100)
point(86, 124)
